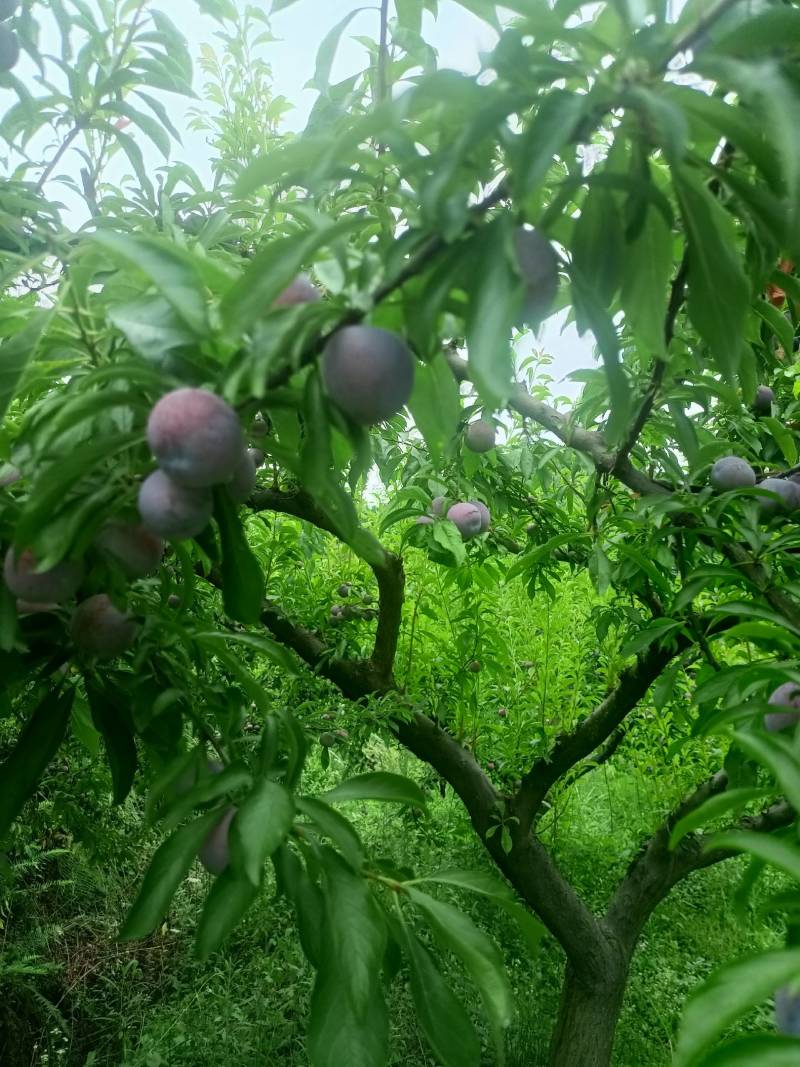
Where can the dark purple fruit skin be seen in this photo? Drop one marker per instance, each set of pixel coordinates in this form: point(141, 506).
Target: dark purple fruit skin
point(786, 490)
point(257, 457)
point(137, 551)
point(424, 520)
point(764, 399)
point(53, 586)
point(170, 510)
point(100, 629)
point(214, 853)
point(731, 472)
point(467, 518)
point(368, 373)
point(787, 1012)
point(301, 291)
point(258, 427)
point(437, 506)
point(486, 518)
point(195, 437)
point(480, 436)
point(538, 266)
point(785, 696)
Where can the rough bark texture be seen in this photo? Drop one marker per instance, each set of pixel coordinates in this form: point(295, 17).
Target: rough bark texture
point(587, 1015)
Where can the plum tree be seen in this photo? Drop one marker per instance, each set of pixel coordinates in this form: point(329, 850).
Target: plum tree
point(786, 496)
point(55, 585)
point(467, 518)
point(486, 518)
point(787, 1011)
point(731, 472)
point(764, 399)
point(100, 629)
point(785, 696)
point(243, 481)
point(301, 291)
point(538, 266)
point(195, 437)
point(480, 436)
point(137, 551)
point(368, 373)
point(171, 510)
point(214, 853)
point(9, 48)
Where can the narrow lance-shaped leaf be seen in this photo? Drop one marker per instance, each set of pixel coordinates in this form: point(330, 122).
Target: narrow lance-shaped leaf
point(37, 744)
point(378, 785)
point(110, 716)
point(242, 577)
point(261, 825)
point(713, 808)
point(230, 897)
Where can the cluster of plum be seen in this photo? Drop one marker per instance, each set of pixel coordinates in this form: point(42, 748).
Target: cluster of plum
point(197, 441)
point(732, 472)
point(470, 517)
point(9, 43)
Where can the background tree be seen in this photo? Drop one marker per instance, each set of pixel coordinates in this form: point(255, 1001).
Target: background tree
point(440, 217)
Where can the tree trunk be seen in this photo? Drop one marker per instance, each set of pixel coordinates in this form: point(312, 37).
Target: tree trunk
point(587, 1018)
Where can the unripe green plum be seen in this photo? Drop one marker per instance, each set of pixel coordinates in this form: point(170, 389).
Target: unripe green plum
point(787, 492)
point(785, 696)
point(538, 266)
point(467, 518)
point(327, 740)
point(474, 666)
point(301, 291)
point(787, 1011)
point(243, 481)
point(764, 399)
point(171, 510)
point(137, 551)
point(9, 48)
point(486, 518)
point(368, 373)
point(214, 853)
point(53, 586)
point(480, 436)
point(195, 437)
point(100, 629)
point(731, 472)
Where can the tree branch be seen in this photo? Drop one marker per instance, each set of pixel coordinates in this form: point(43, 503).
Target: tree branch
point(387, 568)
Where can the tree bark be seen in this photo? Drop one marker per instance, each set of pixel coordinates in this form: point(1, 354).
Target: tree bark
point(588, 1015)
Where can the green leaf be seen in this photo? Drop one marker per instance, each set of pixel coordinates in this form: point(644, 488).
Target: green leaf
point(777, 753)
point(495, 299)
point(445, 533)
point(111, 717)
point(554, 125)
point(260, 826)
point(228, 900)
point(718, 290)
point(306, 897)
point(597, 243)
point(435, 405)
point(152, 327)
point(472, 881)
point(713, 808)
point(755, 1050)
point(727, 995)
point(336, 1034)
point(446, 1025)
point(242, 578)
point(17, 352)
point(481, 958)
point(591, 312)
point(327, 51)
point(171, 270)
point(378, 785)
point(783, 438)
point(777, 322)
point(208, 789)
point(334, 826)
point(37, 744)
point(355, 932)
point(482, 9)
point(771, 850)
point(647, 264)
point(168, 868)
